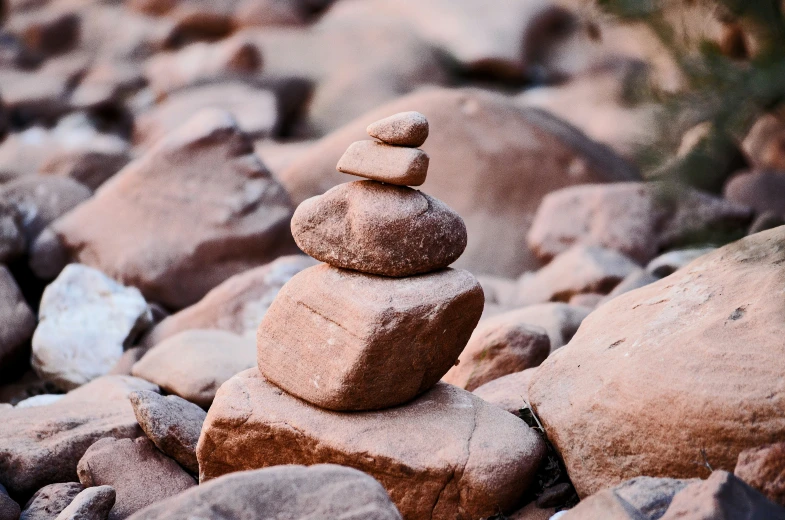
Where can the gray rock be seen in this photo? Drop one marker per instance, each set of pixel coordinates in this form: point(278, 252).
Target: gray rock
point(172, 423)
point(91, 504)
point(635, 280)
point(50, 501)
point(402, 129)
point(12, 239)
point(291, 492)
point(85, 321)
point(9, 509)
point(18, 321)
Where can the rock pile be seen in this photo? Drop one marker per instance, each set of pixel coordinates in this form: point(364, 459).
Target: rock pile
point(372, 331)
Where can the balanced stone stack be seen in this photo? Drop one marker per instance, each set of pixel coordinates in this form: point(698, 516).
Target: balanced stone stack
point(371, 331)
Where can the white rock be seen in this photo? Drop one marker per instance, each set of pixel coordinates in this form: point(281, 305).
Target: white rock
point(85, 321)
point(39, 400)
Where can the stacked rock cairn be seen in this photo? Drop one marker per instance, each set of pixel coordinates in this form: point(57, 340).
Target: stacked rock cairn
point(383, 318)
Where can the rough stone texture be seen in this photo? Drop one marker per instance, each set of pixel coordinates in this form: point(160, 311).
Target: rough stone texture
point(595, 396)
point(672, 261)
point(764, 469)
point(139, 473)
point(17, 318)
point(172, 423)
point(9, 509)
point(177, 235)
point(760, 190)
point(641, 498)
point(386, 163)
point(560, 320)
point(580, 269)
point(194, 363)
point(379, 229)
point(349, 341)
point(237, 305)
point(634, 218)
point(93, 503)
point(12, 237)
point(499, 346)
point(109, 388)
point(84, 322)
point(722, 497)
point(43, 445)
point(446, 455)
point(41, 200)
point(296, 492)
point(510, 392)
point(508, 159)
point(401, 129)
point(50, 501)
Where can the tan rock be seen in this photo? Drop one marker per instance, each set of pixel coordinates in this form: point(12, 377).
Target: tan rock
point(139, 473)
point(12, 236)
point(386, 163)
point(637, 219)
point(237, 305)
point(597, 395)
point(446, 455)
point(764, 469)
point(379, 229)
point(510, 392)
point(194, 363)
point(499, 346)
point(401, 129)
point(587, 300)
point(509, 158)
point(176, 236)
point(349, 341)
point(296, 492)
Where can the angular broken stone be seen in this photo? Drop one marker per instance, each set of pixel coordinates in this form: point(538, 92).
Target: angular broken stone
point(172, 423)
point(386, 163)
point(289, 491)
point(94, 503)
point(447, 454)
point(379, 229)
point(85, 321)
point(344, 340)
point(402, 129)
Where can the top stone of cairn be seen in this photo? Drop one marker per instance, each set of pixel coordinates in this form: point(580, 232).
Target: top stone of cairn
point(402, 129)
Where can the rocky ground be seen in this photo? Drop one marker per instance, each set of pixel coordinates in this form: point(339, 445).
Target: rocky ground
point(378, 259)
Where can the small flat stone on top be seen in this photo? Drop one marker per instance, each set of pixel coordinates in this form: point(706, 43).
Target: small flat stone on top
point(385, 163)
point(402, 129)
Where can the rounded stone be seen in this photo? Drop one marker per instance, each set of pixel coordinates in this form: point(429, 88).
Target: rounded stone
point(402, 129)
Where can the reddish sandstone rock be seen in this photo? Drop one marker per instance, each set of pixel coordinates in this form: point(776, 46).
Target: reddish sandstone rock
point(510, 392)
point(349, 341)
point(401, 129)
point(763, 191)
point(509, 158)
point(386, 163)
point(499, 346)
point(379, 229)
point(447, 454)
point(601, 398)
point(215, 212)
point(17, 318)
point(764, 469)
point(636, 219)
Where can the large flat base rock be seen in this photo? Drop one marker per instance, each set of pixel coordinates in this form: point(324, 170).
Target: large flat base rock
point(448, 454)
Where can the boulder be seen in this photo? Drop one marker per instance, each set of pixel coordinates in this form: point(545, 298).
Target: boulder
point(379, 229)
point(139, 473)
point(109, 388)
point(383, 162)
point(49, 501)
point(43, 445)
point(237, 305)
point(17, 318)
point(9, 509)
point(499, 346)
point(172, 423)
point(509, 159)
point(93, 503)
point(640, 498)
point(763, 191)
point(296, 492)
point(401, 129)
point(721, 497)
point(194, 363)
point(560, 320)
point(634, 218)
point(580, 269)
point(510, 392)
point(178, 235)
point(720, 315)
point(84, 322)
point(764, 469)
point(447, 454)
point(344, 340)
